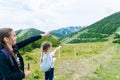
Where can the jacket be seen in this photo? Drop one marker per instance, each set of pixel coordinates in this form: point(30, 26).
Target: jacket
point(9, 68)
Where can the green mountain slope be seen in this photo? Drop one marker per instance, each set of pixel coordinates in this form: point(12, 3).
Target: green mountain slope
point(26, 33)
point(100, 31)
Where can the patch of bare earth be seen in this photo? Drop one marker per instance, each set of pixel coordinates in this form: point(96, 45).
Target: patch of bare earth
point(85, 67)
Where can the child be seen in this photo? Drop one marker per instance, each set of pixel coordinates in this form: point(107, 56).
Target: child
point(46, 47)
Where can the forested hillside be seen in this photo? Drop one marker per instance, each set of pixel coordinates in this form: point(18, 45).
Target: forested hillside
point(102, 30)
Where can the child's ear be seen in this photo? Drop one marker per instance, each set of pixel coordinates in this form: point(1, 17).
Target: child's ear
point(5, 39)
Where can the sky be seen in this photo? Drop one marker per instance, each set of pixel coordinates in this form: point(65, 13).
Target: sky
point(47, 15)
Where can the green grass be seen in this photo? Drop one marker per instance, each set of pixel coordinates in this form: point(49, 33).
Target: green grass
point(112, 69)
point(84, 61)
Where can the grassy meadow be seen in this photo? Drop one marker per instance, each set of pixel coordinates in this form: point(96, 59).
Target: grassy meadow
point(84, 61)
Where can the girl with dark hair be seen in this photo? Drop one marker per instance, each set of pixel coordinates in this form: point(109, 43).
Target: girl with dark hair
point(11, 62)
point(47, 60)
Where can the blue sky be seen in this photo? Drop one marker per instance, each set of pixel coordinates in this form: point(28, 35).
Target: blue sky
point(47, 15)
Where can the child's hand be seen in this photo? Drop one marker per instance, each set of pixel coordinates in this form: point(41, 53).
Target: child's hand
point(59, 46)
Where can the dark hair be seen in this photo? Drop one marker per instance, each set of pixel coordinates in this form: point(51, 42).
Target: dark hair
point(45, 46)
point(4, 32)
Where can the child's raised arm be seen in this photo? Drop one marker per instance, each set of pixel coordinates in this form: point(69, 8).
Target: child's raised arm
point(56, 49)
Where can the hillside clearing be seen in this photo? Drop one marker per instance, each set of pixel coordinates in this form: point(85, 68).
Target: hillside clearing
point(87, 66)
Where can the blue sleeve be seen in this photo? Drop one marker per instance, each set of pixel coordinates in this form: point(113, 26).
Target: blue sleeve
point(6, 72)
point(27, 41)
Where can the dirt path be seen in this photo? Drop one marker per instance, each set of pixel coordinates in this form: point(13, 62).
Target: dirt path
point(90, 64)
point(85, 67)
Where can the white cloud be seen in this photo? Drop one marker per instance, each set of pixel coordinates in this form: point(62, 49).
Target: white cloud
point(52, 14)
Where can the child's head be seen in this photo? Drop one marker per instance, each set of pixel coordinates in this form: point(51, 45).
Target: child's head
point(46, 46)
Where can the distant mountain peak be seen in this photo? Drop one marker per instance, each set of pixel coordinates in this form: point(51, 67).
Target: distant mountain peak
point(66, 31)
